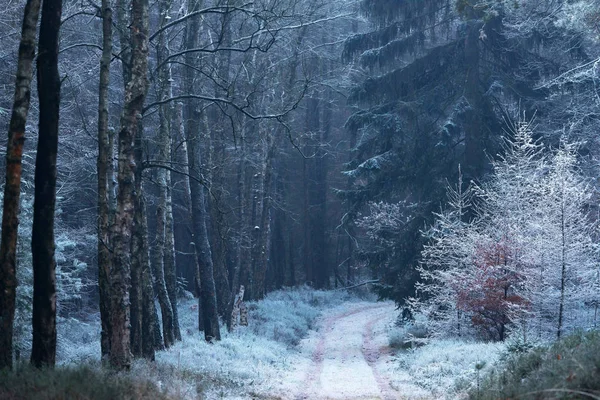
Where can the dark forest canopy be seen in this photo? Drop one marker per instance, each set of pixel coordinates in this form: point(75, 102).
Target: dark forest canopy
point(443, 82)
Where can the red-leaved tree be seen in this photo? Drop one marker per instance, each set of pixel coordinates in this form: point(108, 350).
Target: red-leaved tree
point(493, 295)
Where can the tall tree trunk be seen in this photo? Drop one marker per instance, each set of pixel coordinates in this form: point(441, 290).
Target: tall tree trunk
point(563, 269)
point(164, 156)
point(208, 293)
point(195, 270)
point(207, 281)
point(169, 260)
point(240, 274)
point(311, 244)
point(319, 215)
point(241, 268)
point(474, 158)
point(143, 309)
point(216, 123)
point(136, 294)
point(43, 349)
point(105, 178)
point(135, 94)
point(12, 187)
point(262, 245)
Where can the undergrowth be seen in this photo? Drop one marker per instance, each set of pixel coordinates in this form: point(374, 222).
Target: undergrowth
point(445, 368)
point(567, 369)
point(246, 362)
point(85, 381)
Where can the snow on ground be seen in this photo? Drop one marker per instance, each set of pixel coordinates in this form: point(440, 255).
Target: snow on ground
point(301, 344)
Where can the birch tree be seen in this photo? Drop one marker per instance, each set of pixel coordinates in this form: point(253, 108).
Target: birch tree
point(135, 93)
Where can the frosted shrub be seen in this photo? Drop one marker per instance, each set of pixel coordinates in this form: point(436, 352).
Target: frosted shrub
point(448, 369)
point(523, 260)
point(286, 316)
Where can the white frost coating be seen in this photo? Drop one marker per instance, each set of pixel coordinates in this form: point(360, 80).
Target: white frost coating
point(346, 358)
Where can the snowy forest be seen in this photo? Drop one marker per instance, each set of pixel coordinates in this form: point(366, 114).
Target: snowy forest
point(300, 199)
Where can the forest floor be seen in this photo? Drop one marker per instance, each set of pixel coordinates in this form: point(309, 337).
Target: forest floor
point(301, 344)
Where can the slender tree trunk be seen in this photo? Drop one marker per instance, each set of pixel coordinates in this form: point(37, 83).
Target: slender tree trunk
point(43, 349)
point(216, 124)
point(262, 245)
point(319, 224)
point(474, 158)
point(188, 203)
point(208, 293)
point(241, 269)
point(135, 94)
point(136, 295)
point(207, 281)
point(563, 269)
point(12, 187)
point(164, 153)
point(191, 118)
point(142, 305)
point(311, 244)
point(104, 165)
point(151, 336)
point(169, 260)
point(158, 271)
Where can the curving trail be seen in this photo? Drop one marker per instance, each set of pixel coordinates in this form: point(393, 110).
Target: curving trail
point(346, 357)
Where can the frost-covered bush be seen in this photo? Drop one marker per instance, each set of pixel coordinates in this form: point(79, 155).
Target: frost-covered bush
point(409, 335)
point(518, 255)
point(72, 279)
point(447, 369)
point(285, 316)
point(77, 341)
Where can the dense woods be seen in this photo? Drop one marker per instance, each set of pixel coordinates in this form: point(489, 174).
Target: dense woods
point(446, 150)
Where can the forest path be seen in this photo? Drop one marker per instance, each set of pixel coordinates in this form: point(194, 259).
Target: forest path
point(346, 358)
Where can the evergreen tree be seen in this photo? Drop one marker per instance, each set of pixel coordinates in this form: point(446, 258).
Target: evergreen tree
point(441, 75)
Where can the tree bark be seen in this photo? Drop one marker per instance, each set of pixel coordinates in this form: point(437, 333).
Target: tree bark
point(563, 268)
point(164, 153)
point(208, 293)
point(150, 334)
point(169, 260)
point(474, 158)
point(144, 318)
point(198, 205)
point(43, 350)
point(12, 187)
point(105, 178)
point(135, 94)
point(262, 245)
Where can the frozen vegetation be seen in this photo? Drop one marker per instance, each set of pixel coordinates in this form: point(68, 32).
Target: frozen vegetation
point(438, 368)
point(242, 363)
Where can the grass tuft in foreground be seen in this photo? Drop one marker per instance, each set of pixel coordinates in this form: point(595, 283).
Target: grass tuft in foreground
point(87, 381)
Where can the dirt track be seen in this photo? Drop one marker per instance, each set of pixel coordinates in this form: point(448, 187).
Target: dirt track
point(346, 357)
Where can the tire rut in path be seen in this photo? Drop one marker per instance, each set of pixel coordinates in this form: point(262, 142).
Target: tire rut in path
point(344, 360)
